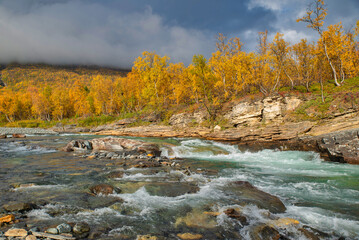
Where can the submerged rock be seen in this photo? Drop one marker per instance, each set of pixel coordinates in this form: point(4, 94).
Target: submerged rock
point(246, 193)
point(18, 207)
point(189, 236)
point(171, 189)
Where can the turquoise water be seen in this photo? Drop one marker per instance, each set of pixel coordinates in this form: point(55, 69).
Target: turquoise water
point(320, 194)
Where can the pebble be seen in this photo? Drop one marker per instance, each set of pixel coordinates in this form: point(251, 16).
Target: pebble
point(54, 231)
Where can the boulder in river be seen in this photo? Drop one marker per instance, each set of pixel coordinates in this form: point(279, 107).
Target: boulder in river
point(246, 193)
point(104, 189)
point(3, 136)
point(264, 231)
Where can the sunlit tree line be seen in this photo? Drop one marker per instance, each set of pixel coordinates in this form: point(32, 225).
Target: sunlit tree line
point(230, 73)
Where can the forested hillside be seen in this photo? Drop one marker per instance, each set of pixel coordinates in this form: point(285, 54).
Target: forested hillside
point(157, 84)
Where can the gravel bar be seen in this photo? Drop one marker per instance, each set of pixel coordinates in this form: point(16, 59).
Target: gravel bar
point(26, 131)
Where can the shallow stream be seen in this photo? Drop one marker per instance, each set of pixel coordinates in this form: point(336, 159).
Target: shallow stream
point(320, 194)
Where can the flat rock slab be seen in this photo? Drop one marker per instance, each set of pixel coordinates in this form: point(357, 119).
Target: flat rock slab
point(16, 232)
point(113, 144)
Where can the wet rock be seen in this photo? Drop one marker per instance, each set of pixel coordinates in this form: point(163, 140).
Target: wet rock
point(15, 135)
point(94, 202)
point(54, 231)
point(116, 174)
point(283, 222)
point(232, 213)
point(168, 189)
point(31, 237)
point(264, 232)
point(3, 136)
point(6, 218)
point(97, 232)
point(246, 193)
point(340, 146)
point(308, 234)
point(34, 229)
point(18, 207)
point(64, 228)
point(146, 237)
point(189, 236)
point(147, 164)
point(104, 189)
point(16, 232)
point(81, 229)
point(197, 219)
point(113, 145)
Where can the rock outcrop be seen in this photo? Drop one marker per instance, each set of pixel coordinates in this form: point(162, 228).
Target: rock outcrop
point(186, 119)
point(270, 109)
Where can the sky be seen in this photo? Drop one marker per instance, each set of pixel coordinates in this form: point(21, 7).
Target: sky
point(115, 32)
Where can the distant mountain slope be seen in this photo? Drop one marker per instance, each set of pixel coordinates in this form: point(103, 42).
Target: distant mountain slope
point(14, 74)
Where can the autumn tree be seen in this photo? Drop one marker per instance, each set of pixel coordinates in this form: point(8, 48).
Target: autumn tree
point(303, 59)
point(314, 18)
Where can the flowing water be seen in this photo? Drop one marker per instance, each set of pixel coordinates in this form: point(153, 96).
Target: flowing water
point(320, 194)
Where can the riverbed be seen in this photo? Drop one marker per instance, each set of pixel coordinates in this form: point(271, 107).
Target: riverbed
point(319, 194)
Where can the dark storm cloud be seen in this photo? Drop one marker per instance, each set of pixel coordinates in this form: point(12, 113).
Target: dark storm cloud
point(115, 32)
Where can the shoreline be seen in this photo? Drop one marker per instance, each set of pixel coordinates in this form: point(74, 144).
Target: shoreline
point(336, 140)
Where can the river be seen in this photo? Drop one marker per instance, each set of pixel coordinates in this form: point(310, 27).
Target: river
point(320, 194)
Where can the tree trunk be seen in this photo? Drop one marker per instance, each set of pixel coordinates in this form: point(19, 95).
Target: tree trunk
point(331, 65)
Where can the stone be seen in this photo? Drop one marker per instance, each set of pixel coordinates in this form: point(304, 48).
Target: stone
point(3, 136)
point(18, 207)
point(246, 193)
point(116, 174)
point(189, 236)
point(6, 218)
point(81, 227)
point(197, 219)
point(283, 222)
point(30, 237)
point(15, 135)
point(146, 237)
point(54, 231)
point(171, 189)
point(232, 213)
point(308, 234)
point(263, 231)
point(102, 189)
point(16, 232)
point(217, 128)
point(64, 228)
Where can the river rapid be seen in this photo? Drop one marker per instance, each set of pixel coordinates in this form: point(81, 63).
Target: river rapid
point(320, 194)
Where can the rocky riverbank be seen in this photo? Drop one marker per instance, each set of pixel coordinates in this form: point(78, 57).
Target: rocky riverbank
point(255, 125)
